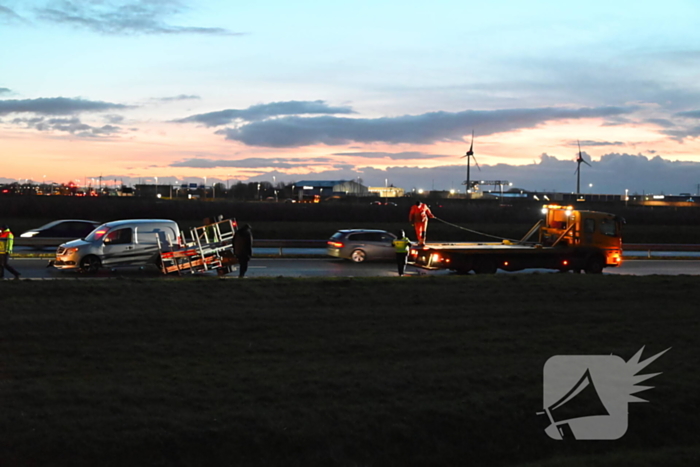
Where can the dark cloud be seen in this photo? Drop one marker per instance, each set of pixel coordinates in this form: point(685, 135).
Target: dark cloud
point(688, 114)
point(5, 91)
point(113, 118)
point(586, 142)
point(392, 155)
point(662, 122)
point(264, 111)
point(123, 17)
point(8, 15)
point(414, 129)
point(55, 106)
point(68, 125)
point(250, 163)
point(683, 133)
point(612, 174)
point(181, 97)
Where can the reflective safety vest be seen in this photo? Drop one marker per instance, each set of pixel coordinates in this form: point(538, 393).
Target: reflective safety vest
point(402, 245)
point(7, 241)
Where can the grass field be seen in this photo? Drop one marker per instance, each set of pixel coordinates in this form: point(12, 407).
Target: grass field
point(350, 372)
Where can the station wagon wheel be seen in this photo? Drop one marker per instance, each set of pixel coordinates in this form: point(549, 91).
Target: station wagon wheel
point(358, 256)
point(90, 264)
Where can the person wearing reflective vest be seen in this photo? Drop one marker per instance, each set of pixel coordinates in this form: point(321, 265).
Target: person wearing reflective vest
point(418, 216)
point(401, 246)
point(7, 241)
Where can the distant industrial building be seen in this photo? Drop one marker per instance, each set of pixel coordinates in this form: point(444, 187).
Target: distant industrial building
point(331, 188)
point(387, 191)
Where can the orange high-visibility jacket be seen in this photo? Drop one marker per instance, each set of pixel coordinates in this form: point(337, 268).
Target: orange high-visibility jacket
point(419, 213)
point(7, 241)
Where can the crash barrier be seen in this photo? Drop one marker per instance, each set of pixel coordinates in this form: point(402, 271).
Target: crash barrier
point(291, 243)
point(281, 245)
point(666, 247)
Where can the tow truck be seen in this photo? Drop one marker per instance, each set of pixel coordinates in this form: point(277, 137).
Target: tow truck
point(568, 240)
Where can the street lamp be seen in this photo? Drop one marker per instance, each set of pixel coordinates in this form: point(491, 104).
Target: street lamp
point(627, 198)
point(228, 180)
point(590, 188)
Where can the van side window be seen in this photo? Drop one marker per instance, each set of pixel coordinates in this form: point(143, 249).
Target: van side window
point(589, 225)
point(607, 227)
point(119, 237)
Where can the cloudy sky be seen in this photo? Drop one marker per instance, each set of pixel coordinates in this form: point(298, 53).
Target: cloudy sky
point(386, 91)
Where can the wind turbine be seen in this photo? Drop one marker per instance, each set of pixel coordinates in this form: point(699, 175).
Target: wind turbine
point(579, 159)
point(469, 156)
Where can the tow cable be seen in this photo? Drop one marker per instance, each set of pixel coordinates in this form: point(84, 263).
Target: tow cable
point(477, 232)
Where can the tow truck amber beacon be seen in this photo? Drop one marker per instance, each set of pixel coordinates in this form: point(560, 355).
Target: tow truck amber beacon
point(568, 240)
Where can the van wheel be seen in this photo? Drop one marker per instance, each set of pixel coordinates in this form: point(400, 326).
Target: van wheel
point(358, 256)
point(594, 265)
point(90, 264)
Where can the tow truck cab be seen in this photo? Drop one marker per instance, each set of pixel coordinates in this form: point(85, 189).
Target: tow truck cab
point(566, 226)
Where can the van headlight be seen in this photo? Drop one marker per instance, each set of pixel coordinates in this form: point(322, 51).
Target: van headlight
point(72, 250)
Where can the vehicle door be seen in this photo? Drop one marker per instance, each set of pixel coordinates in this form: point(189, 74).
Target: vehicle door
point(379, 245)
point(118, 247)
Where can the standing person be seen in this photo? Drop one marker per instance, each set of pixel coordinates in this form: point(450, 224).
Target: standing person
point(401, 246)
point(7, 242)
point(418, 216)
point(243, 247)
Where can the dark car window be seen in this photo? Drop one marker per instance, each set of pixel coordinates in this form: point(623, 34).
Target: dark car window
point(119, 237)
point(366, 237)
point(387, 238)
point(589, 225)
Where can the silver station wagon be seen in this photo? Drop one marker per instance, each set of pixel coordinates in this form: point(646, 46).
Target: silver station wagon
point(360, 245)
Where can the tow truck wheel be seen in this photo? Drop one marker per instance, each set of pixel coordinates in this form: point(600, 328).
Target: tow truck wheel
point(594, 265)
point(358, 256)
point(485, 266)
point(90, 264)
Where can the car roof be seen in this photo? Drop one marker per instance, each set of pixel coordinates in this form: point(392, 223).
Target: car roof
point(60, 221)
point(138, 221)
point(363, 231)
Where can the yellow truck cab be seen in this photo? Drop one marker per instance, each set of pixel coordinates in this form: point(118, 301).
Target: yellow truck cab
point(566, 226)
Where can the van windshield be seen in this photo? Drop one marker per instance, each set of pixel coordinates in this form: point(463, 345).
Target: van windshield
point(97, 234)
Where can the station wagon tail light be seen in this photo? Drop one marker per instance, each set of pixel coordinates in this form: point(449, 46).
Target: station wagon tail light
point(336, 244)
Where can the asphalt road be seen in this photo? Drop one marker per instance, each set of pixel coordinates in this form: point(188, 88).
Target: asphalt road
point(34, 268)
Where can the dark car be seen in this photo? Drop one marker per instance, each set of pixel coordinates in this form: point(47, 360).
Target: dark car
point(360, 245)
point(68, 229)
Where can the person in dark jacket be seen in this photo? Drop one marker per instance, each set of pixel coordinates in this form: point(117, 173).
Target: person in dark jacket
point(243, 247)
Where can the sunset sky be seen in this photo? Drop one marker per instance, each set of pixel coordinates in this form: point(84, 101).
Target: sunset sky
point(386, 91)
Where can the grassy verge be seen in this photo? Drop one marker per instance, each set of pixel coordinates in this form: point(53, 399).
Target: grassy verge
point(397, 371)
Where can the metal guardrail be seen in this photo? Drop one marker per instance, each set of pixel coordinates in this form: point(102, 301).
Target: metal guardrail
point(293, 243)
point(50, 241)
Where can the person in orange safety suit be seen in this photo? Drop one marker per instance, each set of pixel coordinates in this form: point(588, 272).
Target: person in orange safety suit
point(419, 215)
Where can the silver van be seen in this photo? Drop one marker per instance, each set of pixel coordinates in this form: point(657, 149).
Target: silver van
point(131, 242)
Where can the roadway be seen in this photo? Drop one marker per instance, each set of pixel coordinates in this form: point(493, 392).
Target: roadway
point(35, 268)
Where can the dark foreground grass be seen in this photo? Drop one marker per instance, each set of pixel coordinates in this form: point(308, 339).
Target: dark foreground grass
point(404, 371)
